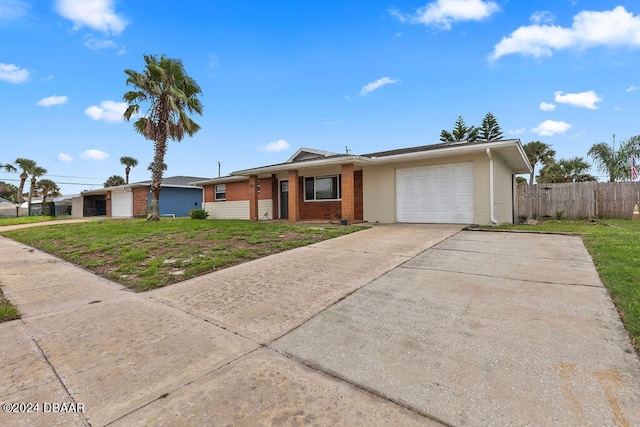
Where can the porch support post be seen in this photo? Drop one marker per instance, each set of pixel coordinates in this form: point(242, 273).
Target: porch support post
point(253, 197)
point(294, 199)
point(348, 193)
point(108, 198)
point(275, 196)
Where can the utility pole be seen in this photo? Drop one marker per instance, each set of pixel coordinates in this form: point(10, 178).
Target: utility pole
point(218, 169)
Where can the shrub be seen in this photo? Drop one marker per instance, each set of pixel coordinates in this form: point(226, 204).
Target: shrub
point(198, 214)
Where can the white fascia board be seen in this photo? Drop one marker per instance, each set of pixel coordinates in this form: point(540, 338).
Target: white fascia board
point(302, 165)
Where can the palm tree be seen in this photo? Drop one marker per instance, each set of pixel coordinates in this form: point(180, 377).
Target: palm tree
point(129, 162)
point(608, 161)
point(8, 167)
point(48, 189)
point(566, 170)
point(27, 165)
point(114, 181)
point(460, 132)
point(615, 163)
point(171, 94)
point(36, 172)
point(538, 152)
point(490, 129)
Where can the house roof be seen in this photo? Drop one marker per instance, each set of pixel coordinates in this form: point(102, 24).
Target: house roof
point(5, 201)
point(173, 181)
point(179, 181)
point(510, 149)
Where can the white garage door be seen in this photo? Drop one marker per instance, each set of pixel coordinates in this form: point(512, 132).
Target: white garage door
point(122, 204)
point(435, 194)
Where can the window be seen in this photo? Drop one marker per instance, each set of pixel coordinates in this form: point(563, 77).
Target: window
point(220, 192)
point(322, 187)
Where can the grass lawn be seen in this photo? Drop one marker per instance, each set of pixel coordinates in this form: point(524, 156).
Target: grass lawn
point(7, 310)
point(29, 219)
point(147, 255)
point(614, 245)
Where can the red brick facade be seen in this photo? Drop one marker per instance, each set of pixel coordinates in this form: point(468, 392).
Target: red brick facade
point(351, 193)
point(140, 201)
point(357, 195)
point(240, 190)
point(108, 204)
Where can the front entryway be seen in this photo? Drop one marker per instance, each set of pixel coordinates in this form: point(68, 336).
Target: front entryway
point(284, 199)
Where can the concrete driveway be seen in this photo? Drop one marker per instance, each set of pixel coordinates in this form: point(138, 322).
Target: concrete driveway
point(395, 325)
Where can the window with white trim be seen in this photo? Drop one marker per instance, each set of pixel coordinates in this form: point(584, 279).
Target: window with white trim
point(220, 192)
point(325, 187)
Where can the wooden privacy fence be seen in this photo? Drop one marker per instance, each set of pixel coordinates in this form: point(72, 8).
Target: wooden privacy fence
point(577, 200)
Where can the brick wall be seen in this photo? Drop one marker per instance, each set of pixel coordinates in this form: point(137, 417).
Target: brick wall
point(140, 200)
point(357, 189)
point(109, 203)
point(239, 190)
point(330, 210)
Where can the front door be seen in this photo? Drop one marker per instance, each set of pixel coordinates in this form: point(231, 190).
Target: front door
point(284, 199)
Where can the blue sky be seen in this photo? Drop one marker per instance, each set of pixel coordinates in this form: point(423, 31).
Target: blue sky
point(279, 75)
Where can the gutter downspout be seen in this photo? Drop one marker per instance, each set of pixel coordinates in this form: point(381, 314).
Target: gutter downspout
point(493, 219)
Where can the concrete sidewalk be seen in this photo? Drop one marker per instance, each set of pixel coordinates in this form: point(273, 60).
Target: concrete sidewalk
point(395, 325)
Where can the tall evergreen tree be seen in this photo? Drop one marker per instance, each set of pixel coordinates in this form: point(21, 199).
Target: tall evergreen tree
point(460, 132)
point(490, 129)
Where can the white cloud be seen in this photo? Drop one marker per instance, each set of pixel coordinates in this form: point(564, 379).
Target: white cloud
point(632, 88)
point(517, 131)
point(94, 154)
point(545, 106)
point(50, 101)
point(13, 74)
point(376, 85)
point(275, 146)
point(97, 44)
point(542, 17)
point(442, 13)
point(108, 111)
point(12, 10)
point(98, 15)
point(65, 158)
point(616, 108)
point(551, 127)
point(615, 27)
point(583, 99)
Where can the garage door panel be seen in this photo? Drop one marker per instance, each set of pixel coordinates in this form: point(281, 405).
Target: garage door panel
point(435, 194)
point(121, 204)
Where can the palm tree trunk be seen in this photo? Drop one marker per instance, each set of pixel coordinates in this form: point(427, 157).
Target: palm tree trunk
point(31, 189)
point(158, 164)
point(23, 179)
point(126, 171)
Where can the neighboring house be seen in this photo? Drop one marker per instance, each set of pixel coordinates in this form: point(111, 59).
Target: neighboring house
point(462, 182)
point(7, 208)
point(177, 198)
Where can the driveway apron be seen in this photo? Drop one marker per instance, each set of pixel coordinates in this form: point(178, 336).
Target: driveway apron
point(484, 329)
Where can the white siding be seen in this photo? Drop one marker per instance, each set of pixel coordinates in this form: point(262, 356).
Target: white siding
point(76, 207)
point(228, 210)
point(503, 190)
point(379, 193)
point(265, 209)
point(121, 204)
